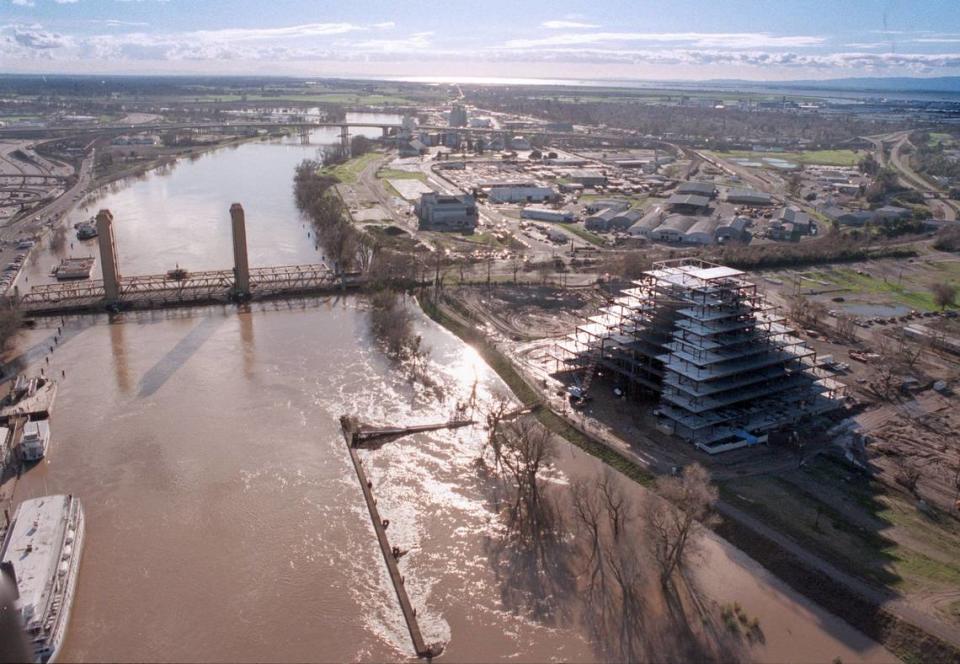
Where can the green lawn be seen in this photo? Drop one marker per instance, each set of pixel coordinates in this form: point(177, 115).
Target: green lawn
point(395, 174)
point(349, 171)
point(941, 137)
point(818, 157)
point(871, 553)
point(905, 293)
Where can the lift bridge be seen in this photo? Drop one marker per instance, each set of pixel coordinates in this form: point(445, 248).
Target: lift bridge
point(180, 287)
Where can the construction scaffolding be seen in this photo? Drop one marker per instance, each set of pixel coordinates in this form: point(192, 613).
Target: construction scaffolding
point(723, 364)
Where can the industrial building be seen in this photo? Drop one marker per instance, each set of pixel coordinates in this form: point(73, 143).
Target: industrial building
point(732, 229)
point(587, 178)
point(600, 221)
point(697, 188)
point(687, 203)
point(748, 197)
point(439, 212)
point(673, 228)
point(790, 222)
point(458, 116)
point(526, 193)
point(546, 214)
point(725, 368)
point(616, 204)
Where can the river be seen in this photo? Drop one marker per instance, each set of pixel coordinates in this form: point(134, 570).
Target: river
point(224, 521)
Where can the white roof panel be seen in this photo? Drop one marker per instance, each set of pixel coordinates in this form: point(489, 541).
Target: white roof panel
point(718, 272)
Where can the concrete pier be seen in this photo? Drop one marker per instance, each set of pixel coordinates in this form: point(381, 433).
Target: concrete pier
point(108, 257)
point(380, 527)
point(241, 267)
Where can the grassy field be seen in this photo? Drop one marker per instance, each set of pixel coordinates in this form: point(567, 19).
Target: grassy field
point(941, 137)
point(812, 157)
point(396, 174)
point(584, 234)
point(909, 294)
point(890, 542)
point(349, 171)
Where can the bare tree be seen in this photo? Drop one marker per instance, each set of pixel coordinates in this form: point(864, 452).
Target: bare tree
point(944, 294)
point(10, 321)
point(494, 416)
point(684, 501)
point(527, 450)
point(846, 326)
point(615, 503)
point(908, 474)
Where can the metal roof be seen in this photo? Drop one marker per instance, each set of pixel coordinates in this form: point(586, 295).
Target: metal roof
point(688, 199)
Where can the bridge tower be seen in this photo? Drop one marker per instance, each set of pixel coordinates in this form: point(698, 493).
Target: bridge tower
point(241, 268)
point(345, 139)
point(304, 132)
point(108, 256)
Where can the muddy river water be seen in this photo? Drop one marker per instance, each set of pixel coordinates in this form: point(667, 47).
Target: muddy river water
point(224, 521)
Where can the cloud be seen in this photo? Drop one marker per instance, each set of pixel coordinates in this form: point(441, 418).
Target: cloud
point(568, 25)
point(416, 41)
point(287, 32)
point(115, 23)
point(23, 3)
point(700, 39)
point(385, 25)
point(34, 38)
point(65, 2)
point(867, 45)
point(924, 63)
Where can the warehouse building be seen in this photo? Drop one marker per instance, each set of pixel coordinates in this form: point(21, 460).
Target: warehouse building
point(625, 219)
point(587, 178)
point(748, 197)
point(702, 232)
point(697, 188)
point(648, 223)
point(521, 194)
point(439, 212)
point(600, 221)
point(673, 228)
point(732, 230)
point(687, 203)
point(546, 214)
point(721, 361)
point(617, 204)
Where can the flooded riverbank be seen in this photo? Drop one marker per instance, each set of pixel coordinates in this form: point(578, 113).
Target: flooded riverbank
point(224, 521)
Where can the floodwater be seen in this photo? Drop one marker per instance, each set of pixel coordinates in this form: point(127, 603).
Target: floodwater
point(224, 520)
point(180, 215)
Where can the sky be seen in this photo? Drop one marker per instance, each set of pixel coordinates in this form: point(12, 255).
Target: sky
point(464, 40)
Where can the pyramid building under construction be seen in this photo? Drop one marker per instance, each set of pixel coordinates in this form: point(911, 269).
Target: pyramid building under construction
point(726, 368)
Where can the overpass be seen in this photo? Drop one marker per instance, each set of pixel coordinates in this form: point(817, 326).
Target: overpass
point(301, 126)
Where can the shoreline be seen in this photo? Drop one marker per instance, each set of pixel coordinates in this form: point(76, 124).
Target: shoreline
point(903, 638)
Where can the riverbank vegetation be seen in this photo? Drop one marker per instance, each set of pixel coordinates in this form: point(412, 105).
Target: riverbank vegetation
point(342, 243)
point(830, 249)
point(598, 556)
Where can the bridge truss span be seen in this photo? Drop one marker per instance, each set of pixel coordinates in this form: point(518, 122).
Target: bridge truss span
point(181, 288)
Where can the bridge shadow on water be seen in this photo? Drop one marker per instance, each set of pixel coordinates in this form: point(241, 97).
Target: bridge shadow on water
point(161, 372)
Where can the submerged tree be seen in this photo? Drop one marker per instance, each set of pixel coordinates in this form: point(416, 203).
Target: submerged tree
point(686, 501)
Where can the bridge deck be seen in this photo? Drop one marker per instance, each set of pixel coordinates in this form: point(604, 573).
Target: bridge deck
point(191, 288)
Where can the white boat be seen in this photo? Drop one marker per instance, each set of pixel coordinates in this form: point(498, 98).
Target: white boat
point(35, 440)
point(43, 546)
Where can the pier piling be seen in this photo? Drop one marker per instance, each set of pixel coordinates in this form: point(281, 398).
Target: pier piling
point(380, 527)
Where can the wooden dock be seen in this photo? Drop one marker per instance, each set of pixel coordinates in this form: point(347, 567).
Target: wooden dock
point(380, 527)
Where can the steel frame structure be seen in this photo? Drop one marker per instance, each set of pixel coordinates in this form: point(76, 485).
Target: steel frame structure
point(700, 337)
